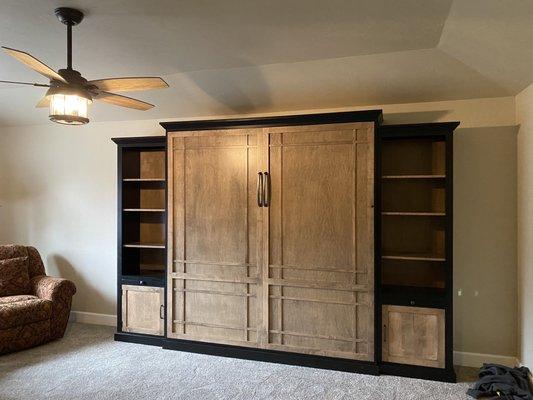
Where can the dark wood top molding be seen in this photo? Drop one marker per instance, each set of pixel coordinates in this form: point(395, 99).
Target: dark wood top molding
point(283, 120)
point(136, 140)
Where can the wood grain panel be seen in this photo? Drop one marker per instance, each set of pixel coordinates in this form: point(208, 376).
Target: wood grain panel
point(319, 243)
point(213, 233)
point(141, 309)
point(296, 276)
point(413, 335)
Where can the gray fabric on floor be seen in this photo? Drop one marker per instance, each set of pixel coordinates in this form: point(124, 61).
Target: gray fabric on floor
point(88, 364)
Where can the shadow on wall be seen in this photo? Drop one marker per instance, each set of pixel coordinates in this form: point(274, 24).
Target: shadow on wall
point(242, 90)
point(415, 117)
point(86, 293)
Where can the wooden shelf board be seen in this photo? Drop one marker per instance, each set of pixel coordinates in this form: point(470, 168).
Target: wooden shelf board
point(420, 214)
point(413, 176)
point(413, 257)
point(144, 209)
point(144, 179)
point(145, 245)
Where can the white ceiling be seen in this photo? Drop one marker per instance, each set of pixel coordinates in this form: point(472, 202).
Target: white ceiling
point(248, 56)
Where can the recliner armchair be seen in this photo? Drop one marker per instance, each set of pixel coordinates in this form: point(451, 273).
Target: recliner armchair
point(36, 308)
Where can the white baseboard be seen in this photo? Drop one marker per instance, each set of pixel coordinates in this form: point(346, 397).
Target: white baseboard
point(462, 358)
point(93, 318)
point(467, 359)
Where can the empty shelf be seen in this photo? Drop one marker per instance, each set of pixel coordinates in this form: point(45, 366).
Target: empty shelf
point(413, 176)
point(145, 245)
point(413, 257)
point(144, 179)
point(420, 214)
point(144, 209)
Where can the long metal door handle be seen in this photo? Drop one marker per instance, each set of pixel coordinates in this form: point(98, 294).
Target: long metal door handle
point(266, 190)
point(162, 312)
point(384, 333)
point(260, 189)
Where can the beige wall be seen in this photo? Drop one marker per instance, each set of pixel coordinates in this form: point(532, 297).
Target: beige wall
point(58, 192)
point(524, 117)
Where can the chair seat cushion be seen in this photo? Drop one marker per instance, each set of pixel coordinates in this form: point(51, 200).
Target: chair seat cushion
point(22, 310)
point(14, 277)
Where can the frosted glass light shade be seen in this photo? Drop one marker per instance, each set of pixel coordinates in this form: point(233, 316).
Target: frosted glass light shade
point(68, 109)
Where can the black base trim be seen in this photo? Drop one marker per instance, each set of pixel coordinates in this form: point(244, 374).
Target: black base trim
point(414, 371)
point(139, 338)
point(273, 356)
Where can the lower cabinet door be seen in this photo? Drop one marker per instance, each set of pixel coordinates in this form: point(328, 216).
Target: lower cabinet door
point(142, 309)
point(413, 335)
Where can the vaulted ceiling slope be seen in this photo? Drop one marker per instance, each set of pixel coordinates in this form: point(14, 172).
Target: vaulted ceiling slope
point(234, 56)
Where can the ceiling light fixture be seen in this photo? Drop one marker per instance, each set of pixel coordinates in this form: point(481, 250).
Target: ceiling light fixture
point(70, 94)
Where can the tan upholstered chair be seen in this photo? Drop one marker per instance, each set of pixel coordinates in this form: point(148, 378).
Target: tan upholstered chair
point(34, 308)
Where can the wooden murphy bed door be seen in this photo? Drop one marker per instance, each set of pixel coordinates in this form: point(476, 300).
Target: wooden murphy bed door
point(294, 274)
point(318, 240)
point(213, 254)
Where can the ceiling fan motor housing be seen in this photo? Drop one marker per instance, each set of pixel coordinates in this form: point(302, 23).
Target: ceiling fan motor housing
point(69, 16)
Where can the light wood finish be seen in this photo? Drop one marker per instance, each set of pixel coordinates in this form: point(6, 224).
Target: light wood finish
point(413, 335)
point(123, 101)
point(413, 273)
point(213, 230)
point(319, 241)
point(129, 84)
point(142, 309)
point(413, 157)
point(295, 276)
point(152, 165)
point(413, 195)
point(38, 66)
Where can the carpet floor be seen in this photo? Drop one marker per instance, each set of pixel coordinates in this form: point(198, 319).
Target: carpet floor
point(88, 364)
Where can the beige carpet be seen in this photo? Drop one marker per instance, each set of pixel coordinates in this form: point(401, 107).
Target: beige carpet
point(88, 364)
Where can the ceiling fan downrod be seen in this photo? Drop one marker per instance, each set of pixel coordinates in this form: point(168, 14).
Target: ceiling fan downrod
point(70, 17)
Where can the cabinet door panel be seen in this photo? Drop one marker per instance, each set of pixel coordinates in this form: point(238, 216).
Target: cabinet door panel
point(413, 335)
point(213, 228)
point(141, 309)
point(319, 240)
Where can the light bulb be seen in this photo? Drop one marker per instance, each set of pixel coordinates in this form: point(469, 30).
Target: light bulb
point(68, 109)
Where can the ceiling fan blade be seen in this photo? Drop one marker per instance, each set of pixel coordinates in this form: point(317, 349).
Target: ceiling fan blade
point(34, 64)
point(129, 84)
point(26, 83)
point(44, 102)
point(123, 101)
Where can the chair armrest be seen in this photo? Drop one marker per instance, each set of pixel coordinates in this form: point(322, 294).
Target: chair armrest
point(59, 291)
point(50, 288)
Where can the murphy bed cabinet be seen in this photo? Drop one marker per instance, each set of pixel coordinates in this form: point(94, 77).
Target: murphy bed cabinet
point(321, 240)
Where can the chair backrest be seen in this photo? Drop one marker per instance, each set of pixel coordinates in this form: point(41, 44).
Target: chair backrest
point(35, 263)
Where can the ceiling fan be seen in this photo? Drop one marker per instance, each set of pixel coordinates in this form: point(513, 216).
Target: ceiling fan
point(70, 93)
